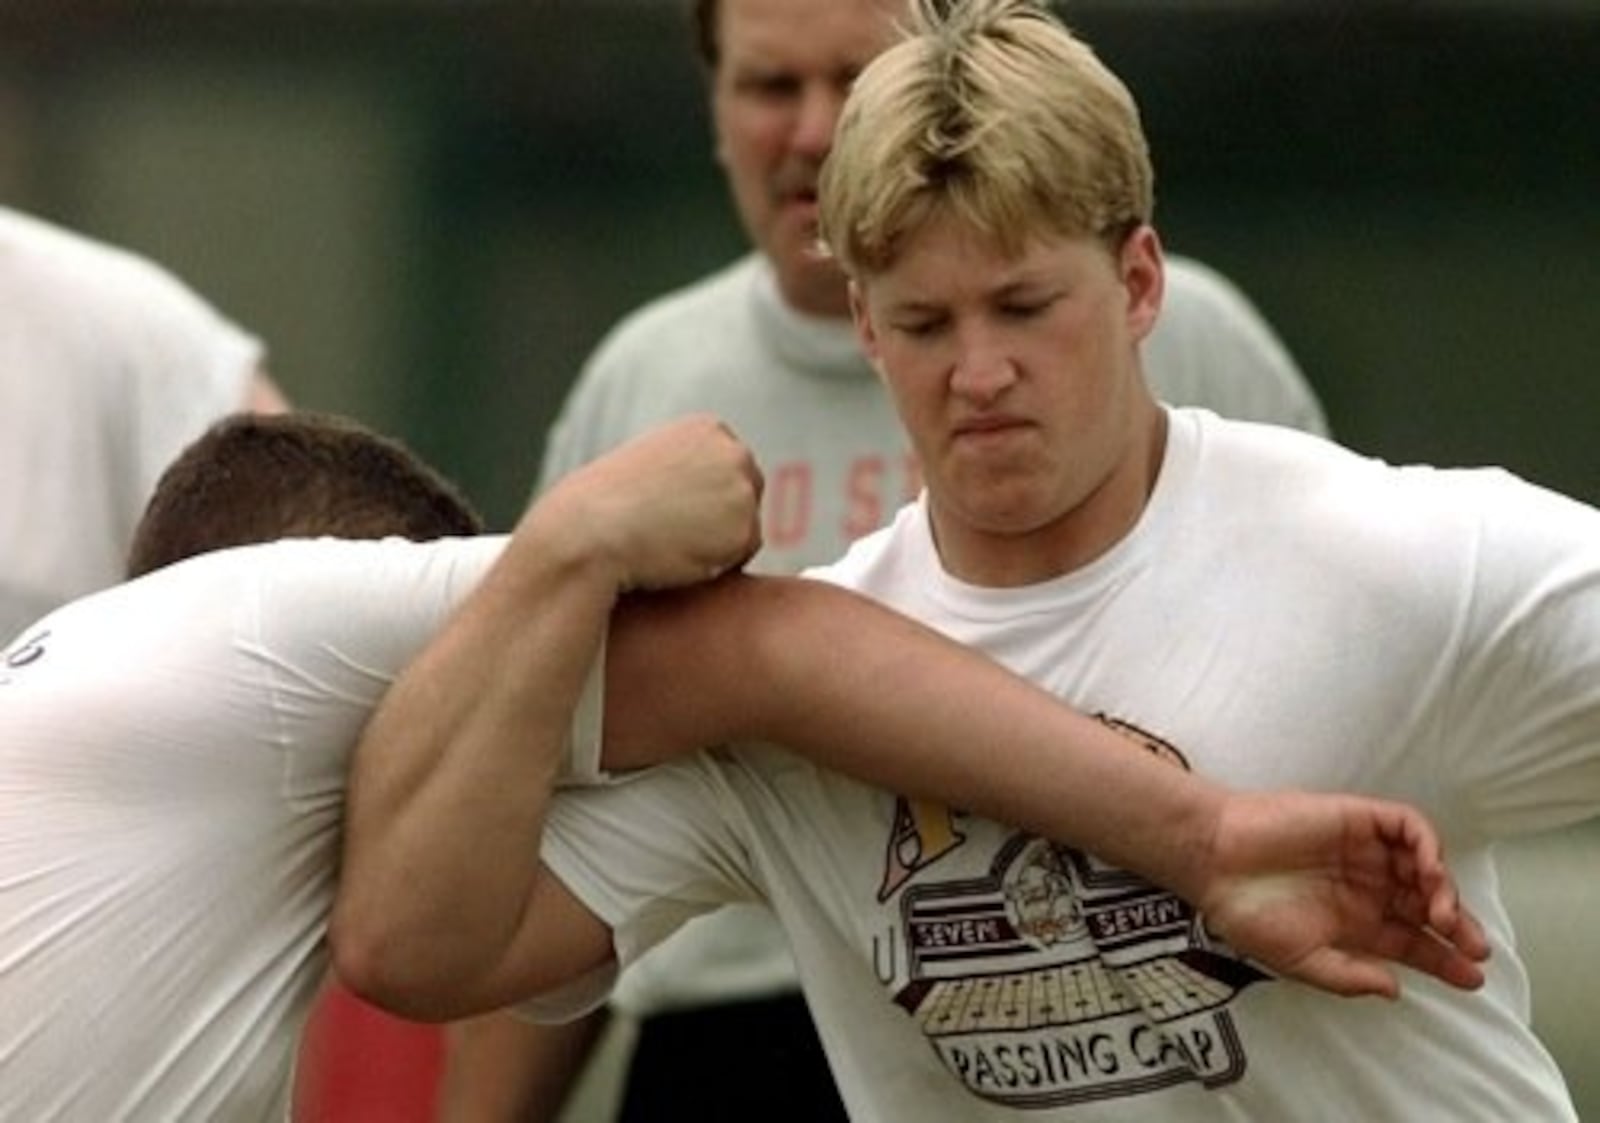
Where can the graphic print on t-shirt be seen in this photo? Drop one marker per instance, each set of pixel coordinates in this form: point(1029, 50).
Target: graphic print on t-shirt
point(1052, 978)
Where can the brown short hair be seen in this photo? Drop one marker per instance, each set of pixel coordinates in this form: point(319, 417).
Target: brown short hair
point(258, 477)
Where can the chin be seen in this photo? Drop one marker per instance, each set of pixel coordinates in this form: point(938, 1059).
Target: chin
point(1007, 516)
point(815, 286)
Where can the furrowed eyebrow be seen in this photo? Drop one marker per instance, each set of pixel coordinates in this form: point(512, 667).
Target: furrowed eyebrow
point(1029, 287)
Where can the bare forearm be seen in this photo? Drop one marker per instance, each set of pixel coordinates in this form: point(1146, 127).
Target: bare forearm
point(870, 693)
point(451, 778)
point(443, 906)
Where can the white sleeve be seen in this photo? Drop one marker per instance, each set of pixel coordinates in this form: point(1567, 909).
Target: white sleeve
point(1526, 696)
point(339, 620)
point(586, 741)
point(645, 854)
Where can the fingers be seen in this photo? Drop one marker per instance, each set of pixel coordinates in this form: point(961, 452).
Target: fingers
point(1346, 974)
point(1443, 913)
point(677, 505)
point(1433, 906)
point(1424, 950)
point(1354, 974)
point(753, 537)
point(1467, 935)
point(1416, 855)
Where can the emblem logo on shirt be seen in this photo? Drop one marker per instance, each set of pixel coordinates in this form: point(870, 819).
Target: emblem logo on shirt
point(26, 650)
point(1052, 978)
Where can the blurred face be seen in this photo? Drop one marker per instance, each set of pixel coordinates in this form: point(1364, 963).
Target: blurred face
point(1019, 382)
point(785, 69)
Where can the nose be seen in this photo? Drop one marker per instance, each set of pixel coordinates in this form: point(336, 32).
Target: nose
point(983, 370)
point(820, 104)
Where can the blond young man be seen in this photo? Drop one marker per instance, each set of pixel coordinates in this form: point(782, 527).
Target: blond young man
point(765, 343)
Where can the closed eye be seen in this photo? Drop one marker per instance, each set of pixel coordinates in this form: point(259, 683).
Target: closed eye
point(1026, 309)
point(922, 328)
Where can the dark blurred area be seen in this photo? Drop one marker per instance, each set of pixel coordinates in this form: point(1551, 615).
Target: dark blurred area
point(431, 211)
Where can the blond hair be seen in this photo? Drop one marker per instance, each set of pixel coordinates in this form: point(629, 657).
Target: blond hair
point(993, 112)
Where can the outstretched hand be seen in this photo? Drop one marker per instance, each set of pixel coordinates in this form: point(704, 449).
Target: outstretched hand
point(1333, 889)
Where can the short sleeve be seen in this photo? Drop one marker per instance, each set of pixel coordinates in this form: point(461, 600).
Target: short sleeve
point(646, 854)
point(1524, 710)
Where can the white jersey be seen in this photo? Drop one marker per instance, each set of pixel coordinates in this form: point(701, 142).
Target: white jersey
point(173, 757)
point(838, 463)
point(109, 366)
point(1285, 614)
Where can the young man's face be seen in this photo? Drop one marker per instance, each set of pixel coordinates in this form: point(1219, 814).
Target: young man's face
point(1018, 380)
point(785, 69)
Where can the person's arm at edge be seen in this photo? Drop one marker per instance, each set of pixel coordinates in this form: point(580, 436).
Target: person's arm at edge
point(451, 776)
point(498, 1066)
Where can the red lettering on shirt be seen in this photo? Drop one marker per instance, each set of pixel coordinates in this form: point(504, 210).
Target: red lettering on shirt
point(867, 499)
point(789, 504)
point(863, 502)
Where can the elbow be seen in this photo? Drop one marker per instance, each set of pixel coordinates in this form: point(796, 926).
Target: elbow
point(363, 960)
point(380, 965)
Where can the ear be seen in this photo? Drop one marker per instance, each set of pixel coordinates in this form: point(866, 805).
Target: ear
point(1143, 270)
point(866, 333)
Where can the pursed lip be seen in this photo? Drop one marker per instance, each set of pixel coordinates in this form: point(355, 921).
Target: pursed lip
point(802, 203)
point(795, 186)
point(988, 425)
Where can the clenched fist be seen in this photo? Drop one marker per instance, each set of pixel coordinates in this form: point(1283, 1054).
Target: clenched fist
point(677, 505)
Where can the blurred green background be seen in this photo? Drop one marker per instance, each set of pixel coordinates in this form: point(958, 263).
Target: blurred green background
point(432, 210)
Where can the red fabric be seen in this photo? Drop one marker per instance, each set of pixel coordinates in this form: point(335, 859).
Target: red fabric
point(361, 1065)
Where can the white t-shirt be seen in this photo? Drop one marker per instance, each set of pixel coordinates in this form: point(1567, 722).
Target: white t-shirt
point(838, 464)
point(1285, 613)
point(173, 757)
point(109, 366)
